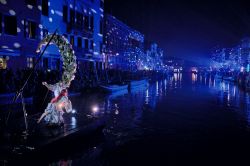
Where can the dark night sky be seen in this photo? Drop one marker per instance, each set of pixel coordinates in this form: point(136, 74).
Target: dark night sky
point(185, 28)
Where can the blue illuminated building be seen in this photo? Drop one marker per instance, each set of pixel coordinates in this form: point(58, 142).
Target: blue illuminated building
point(25, 22)
point(235, 59)
point(123, 45)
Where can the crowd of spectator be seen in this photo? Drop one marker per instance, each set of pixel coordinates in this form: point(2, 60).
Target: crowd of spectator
point(11, 81)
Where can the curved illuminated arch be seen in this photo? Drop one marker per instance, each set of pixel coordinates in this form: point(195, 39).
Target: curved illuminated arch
point(67, 55)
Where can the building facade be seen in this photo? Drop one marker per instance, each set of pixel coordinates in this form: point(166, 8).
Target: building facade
point(25, 22)
point(123, 45)
point(244, 47)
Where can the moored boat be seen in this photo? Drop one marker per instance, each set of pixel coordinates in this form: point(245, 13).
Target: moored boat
point(113, 88)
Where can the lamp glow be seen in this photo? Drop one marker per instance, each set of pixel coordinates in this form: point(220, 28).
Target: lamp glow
point(95, 109)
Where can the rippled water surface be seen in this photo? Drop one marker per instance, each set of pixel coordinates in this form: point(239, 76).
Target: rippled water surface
point(181, 120)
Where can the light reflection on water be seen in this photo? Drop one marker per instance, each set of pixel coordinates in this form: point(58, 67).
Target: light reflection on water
point(130, 114)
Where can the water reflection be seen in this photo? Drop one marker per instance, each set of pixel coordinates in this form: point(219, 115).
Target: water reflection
point(233, 99)
point(194, 78)
point(132, 114)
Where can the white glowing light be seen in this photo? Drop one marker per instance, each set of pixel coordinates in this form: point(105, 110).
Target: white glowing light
point(95, 109)
point(59, 13)
point(73, 111)
point(22, 22)
point(73, 121)
point(60, 105)
point(17, 45)
point(50, 19)
point(18, 29)
point(12, 12)
point(30, 6)
point(39, 7)
point(116, 112)
point(71, 6)
point(3, 2)
point(5, 47)
point(93, 10)
point(40, 26)
point(11, 50)
point(52, 11)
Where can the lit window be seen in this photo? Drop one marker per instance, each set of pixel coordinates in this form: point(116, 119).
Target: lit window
point(10, 25)
point(30, 62)
point(30, 29)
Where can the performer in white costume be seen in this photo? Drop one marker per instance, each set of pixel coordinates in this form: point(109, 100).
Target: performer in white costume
point(58, 105)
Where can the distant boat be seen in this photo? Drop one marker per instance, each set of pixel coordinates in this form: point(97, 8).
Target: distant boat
point(217, 76)
point(113, 88)
point(134, 84)
point(228, 78)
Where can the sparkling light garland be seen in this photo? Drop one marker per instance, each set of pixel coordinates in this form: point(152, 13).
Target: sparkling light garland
point(68, 56)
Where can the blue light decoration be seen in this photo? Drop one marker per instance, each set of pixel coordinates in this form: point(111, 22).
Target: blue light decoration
point(152, 60)
point(241, 69)
point(235, 59)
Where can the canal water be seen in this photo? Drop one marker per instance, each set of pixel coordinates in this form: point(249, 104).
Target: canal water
point(183, 119)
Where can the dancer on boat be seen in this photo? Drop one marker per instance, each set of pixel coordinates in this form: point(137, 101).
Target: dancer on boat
point(53, 114)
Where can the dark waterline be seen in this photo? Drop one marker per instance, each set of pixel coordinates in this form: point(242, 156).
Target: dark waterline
point(184, 119)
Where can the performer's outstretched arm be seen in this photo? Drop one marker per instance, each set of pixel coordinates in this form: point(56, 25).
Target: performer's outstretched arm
point(50, 87)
